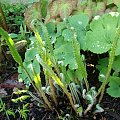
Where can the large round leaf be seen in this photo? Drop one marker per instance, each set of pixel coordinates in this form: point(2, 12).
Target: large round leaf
point(64, 53)
point(96, 42)
point(79, 23)
point(114, 89)
point(102, 33)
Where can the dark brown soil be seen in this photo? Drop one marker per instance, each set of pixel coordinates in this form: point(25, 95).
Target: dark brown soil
point(111, 105)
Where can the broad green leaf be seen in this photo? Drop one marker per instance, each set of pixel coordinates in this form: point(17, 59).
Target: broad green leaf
point(36, 76)
point(79, 23)
point(36, 66)
point(110, 21)
point(64, 52)
point(22, 74)
point(13, 35)
point(67, 34)
point(118, 8)
point(109, 2)
point(30, 54)
point(71, 75)
point(78, 74)
point(118, 48)
point(12, 47)
point(116, 64)
point(102, 32)
point(114, 89)
point(43, 6)
point(102, 63)
point(51, 28)
point(60, 27)
point(23, 77)
point(96, 42)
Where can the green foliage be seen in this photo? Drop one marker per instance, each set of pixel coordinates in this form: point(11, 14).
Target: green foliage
point(21, 98)
point(55, 52)
point(114, 87)
point(23, 34)
point(102, 33)
point(79, 24)
point(64, 48)
point(44, 4)
point(14, 13)
point(23, 75)
point(8, 112)
point(23, 111)
point(64, 53)
point(116, 2)
point(11, 45)
point(116, 65)
point(114, 77)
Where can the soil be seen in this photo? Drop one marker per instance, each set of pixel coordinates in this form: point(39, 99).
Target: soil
point(111, 105)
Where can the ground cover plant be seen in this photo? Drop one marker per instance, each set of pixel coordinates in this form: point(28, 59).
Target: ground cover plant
point(63, 35)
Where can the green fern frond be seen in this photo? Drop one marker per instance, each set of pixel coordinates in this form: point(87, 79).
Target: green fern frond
point(46, 37)
point(78, 58)
point(50, 71)
point(12, 47)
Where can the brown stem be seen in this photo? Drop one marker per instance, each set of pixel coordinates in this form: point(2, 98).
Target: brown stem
point(45, 99)
point(70, 98)
point(53, 91)
point(3, 19)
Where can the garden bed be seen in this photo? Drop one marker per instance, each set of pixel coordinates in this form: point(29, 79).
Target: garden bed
point(60, 60)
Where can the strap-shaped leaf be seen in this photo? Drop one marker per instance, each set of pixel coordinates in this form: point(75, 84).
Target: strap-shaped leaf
point(11, 45)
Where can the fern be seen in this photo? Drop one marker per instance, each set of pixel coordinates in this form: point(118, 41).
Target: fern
point(78, 58)
point(46, 37)
point(12, 47)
